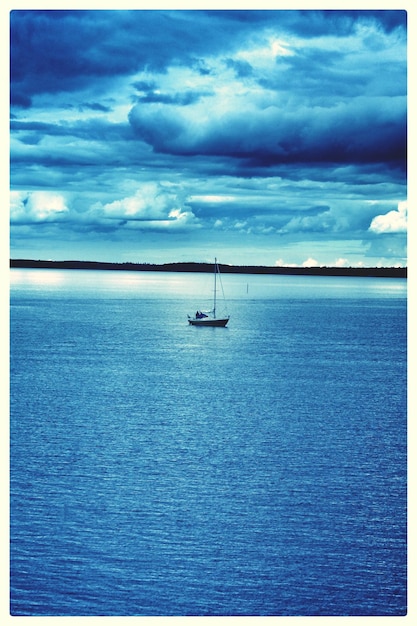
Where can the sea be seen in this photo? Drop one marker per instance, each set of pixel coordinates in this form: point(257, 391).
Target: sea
point(163, 469)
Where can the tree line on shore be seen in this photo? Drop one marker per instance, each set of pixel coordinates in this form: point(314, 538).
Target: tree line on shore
point(392, 272)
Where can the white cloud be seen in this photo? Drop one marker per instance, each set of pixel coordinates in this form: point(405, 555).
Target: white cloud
point(153, 207)
point(212, 199)
point(36, 206)
point(341, 262)
point(392, 222)
point(310, 262)
point(152, 202)
point(281, 263)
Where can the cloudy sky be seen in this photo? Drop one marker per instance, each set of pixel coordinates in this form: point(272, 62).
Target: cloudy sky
point(261, 137)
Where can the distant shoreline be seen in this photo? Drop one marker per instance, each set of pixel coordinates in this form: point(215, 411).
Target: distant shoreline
point(383, 272)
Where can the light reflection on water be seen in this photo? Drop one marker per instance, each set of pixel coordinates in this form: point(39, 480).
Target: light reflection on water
point(183, 284)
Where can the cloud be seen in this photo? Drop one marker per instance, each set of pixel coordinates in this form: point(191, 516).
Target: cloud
point(341, 262)
point(310, 262)
point(281, 263)
point(322, 221)
point(183, 99)
point(268, 130)
point(37, 206)
point(151, 201)
point(152, 206)
point(392, 222)
point(359, 130)
point(389, 250)
point(94, 47)
point(242, 68)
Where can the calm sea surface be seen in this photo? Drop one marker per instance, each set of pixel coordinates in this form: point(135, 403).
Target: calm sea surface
point(163, 469)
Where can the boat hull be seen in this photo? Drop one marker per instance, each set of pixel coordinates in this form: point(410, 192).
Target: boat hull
point(209, 321)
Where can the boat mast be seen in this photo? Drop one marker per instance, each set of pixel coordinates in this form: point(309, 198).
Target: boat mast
point(215, 286)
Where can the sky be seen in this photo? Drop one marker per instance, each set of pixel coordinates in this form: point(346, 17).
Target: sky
point(259, 137)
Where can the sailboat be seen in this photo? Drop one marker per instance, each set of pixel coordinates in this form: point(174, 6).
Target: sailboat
point(209, 318)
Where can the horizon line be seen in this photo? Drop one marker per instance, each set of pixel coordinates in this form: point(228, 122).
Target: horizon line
point(205, 265)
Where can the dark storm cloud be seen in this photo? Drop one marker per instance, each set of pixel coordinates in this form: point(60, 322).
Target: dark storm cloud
point(315, 23)
point(242, 69)
point(95, 106)
point(338, 111)
point(55, 51)
point(361, 132)
point(181, 99)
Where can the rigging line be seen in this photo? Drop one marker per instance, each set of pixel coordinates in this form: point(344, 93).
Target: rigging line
point(222, 290)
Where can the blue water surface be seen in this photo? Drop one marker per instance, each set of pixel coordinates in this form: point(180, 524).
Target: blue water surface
point(163, 469)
